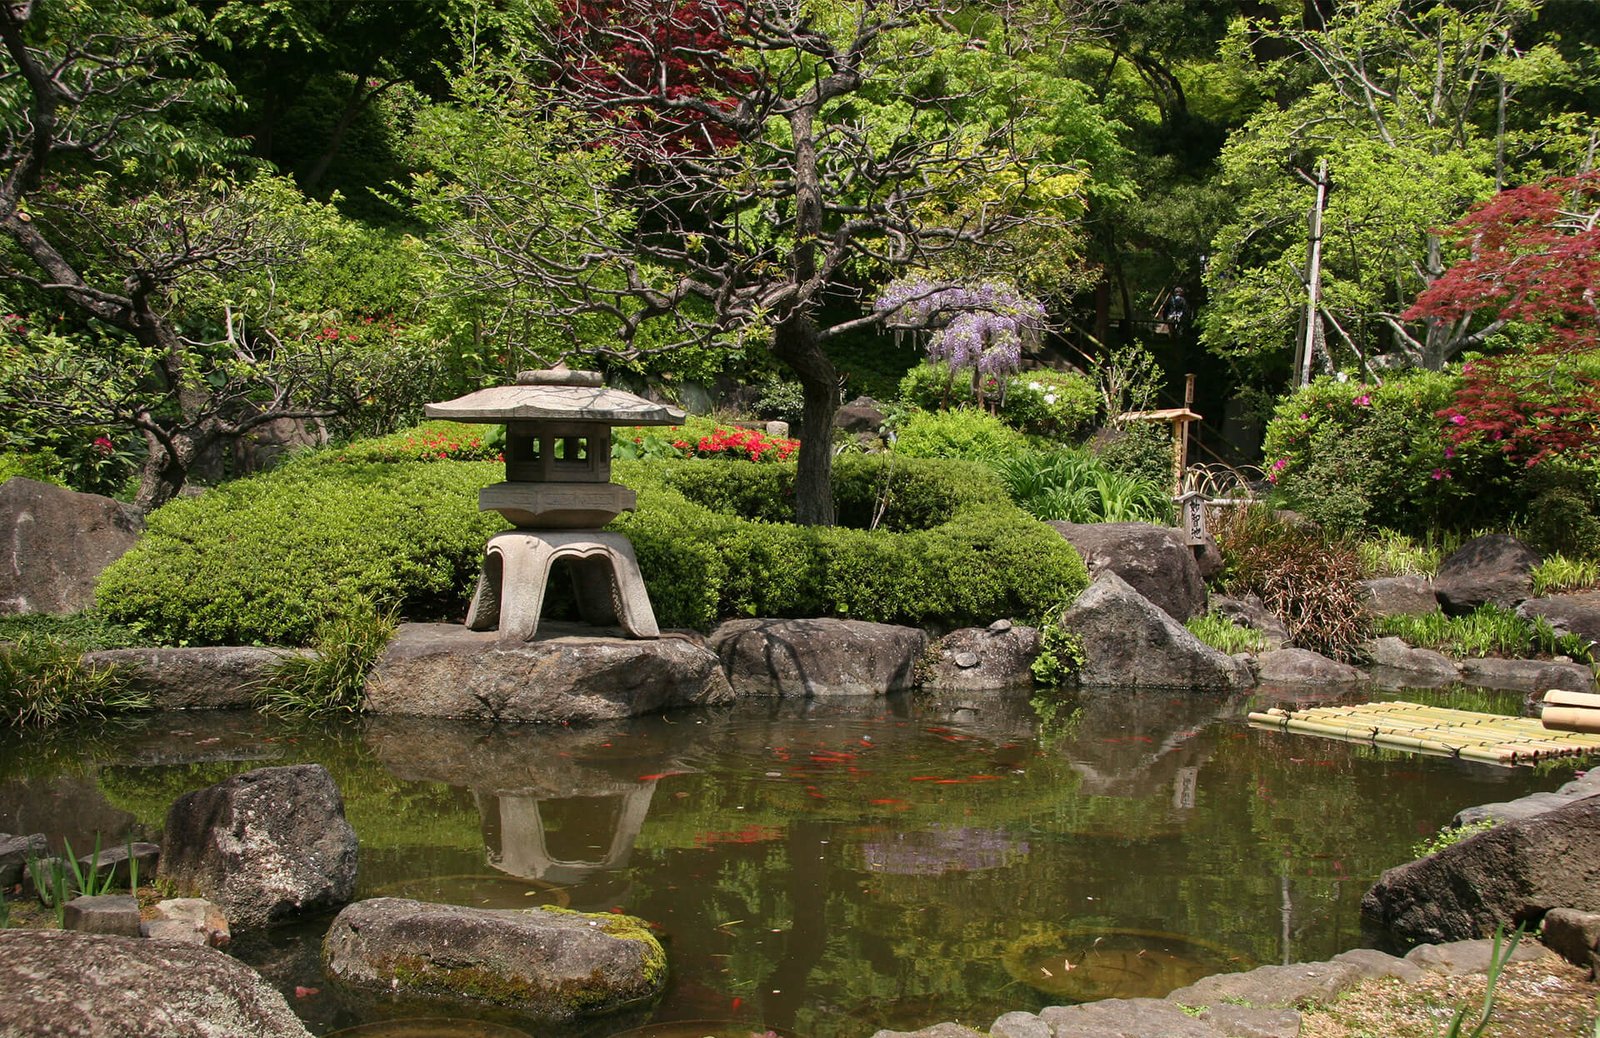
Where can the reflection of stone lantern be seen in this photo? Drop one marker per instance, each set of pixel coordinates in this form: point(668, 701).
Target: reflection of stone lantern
point(558, 492)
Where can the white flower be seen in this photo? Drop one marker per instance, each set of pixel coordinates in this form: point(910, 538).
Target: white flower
point(1033, 385)
point(1049, 398)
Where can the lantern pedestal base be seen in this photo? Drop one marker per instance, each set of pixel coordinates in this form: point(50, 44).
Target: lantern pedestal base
point(516, 570)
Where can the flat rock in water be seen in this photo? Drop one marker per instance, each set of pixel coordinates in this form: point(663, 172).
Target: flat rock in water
point(1274, 987)
point(1527, 675)
point(445, 670)
point(1395, 655)
point(1128, 641)
point(550, 963)
point(266, 846)
point(1127, 1018)
point(945, 1030)
point(978, 659)
point(816, 659)
point(1460, 958)
point(1304, 667)
point(60, 982)
point(220, 677)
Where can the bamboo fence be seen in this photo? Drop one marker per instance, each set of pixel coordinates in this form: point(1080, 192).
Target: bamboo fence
point(1489, 738)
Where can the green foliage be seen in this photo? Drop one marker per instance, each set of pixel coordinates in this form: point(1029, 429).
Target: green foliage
point(713, 539)
point(1449, 836)
point(1058, 404)
point(1076, 487)
point(43, 682)
point(1557, 573)
point(430, 441)
point(964, 432)
point(1139, 450)
point(1488, 630)
point(1563, 510)
point(1223, 634)
point(333, 681)
point(1061, 654)
point(42, 466)
point(1352, 456)
point(1311, 583)
point(266, 559)
point(81, 631)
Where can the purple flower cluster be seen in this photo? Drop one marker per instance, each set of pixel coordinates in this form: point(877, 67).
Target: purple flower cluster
point(982, 326)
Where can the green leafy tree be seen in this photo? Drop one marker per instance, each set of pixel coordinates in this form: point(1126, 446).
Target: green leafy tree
point(1409, 105)
point(739, 183)
point(119, 218)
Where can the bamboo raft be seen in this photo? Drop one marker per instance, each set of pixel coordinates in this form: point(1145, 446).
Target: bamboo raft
point(1488, 738)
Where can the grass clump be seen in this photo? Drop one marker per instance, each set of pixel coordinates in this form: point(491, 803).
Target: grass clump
point(44, 682)
point(1558, 573)
point(1488, 630)
point(333, 680)
point(1074, 486)
point(1224, 635)
point(1388, 553)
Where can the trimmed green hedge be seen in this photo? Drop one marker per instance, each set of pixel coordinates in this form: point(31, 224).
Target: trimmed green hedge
point(266, 559)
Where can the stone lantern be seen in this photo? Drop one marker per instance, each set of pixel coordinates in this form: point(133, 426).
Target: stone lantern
point(558, 493)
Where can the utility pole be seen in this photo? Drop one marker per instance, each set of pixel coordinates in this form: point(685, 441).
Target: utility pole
point(1307, 347)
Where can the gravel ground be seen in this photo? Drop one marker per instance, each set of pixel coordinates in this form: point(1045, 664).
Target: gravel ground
point(1545, 998)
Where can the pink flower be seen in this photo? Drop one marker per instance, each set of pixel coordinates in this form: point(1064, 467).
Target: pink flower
point(1363, 400)
point(1449, 452)
point(1280, 464)
point(1458, 419)
point(103, 445)
point(1440, 474)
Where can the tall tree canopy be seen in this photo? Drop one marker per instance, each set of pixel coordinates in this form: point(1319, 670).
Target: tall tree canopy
point(739, 170)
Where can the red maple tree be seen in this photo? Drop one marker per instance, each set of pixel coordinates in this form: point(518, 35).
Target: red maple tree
point(658, 69)
point(1533, 259)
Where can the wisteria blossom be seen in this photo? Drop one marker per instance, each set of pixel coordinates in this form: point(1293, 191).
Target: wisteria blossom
point(983, 326)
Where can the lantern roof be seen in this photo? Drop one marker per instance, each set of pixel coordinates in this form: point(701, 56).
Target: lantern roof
point(556, 395)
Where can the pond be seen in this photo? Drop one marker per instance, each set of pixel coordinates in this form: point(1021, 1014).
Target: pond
point(827, 869)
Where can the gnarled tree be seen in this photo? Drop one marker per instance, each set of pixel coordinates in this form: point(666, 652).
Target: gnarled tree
point(740, 169)
point(116, 213)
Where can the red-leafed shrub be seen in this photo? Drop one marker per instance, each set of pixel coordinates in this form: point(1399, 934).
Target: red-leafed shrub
point(661, 70)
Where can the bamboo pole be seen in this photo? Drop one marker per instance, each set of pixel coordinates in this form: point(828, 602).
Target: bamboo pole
point(1571, 719)
point(1561, 697)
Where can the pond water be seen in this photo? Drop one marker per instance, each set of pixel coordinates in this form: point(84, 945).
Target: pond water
point(823, 869)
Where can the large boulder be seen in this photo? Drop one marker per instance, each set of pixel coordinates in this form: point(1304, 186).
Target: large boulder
point(815, 659)
point(61, 982)
point(58, 542)
point(1156, 561)
point(861, 415)
point(1577, 613)
point(1409, 595)
point(264, 846)
point(1495, 569)
point(1129, 641)
point(982, 659)
point(215, 677)
point(445, 670)
point(1511, 874)
point(544, 962)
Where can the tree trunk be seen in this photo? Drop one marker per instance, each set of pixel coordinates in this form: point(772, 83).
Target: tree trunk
point(796, 343)
point(164, 472)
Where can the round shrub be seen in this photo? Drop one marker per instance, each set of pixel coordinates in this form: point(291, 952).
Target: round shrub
point(965, 432)
point(1354, 456)
point(268, 559)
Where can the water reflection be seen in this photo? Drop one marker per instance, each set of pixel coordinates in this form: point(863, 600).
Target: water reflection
point(828, 868)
